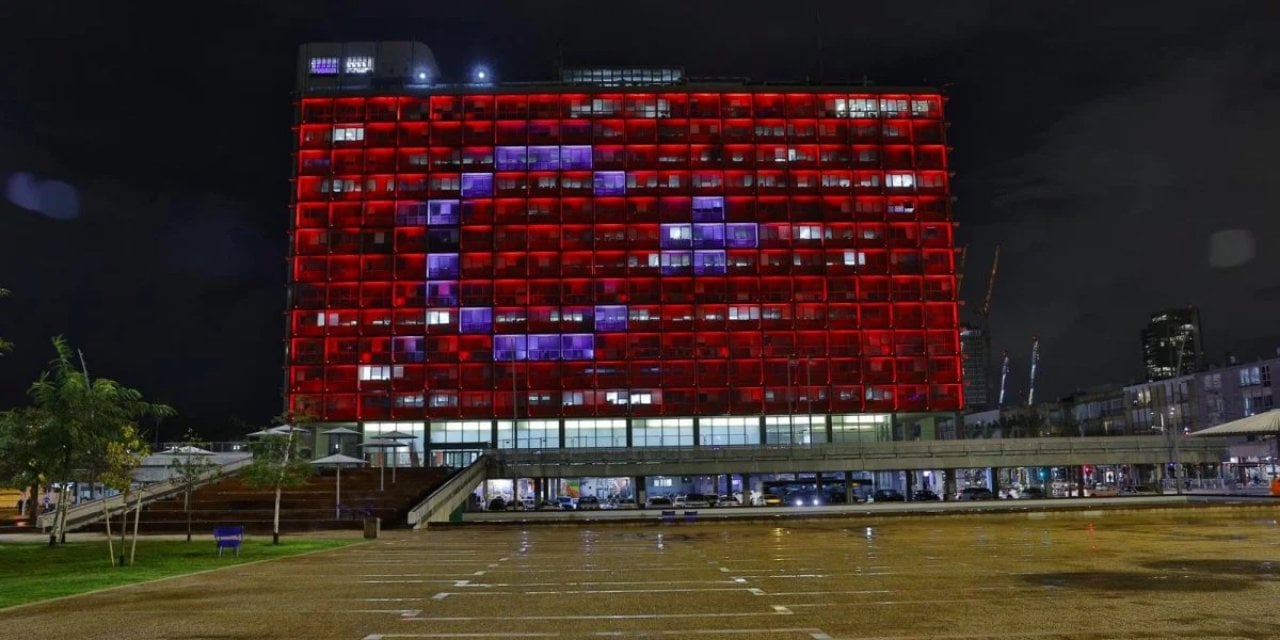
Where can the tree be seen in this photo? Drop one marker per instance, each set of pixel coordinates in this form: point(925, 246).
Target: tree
point(18, 452)
point(277, 461)
point(191, 467)
point(124, 454)
point(69, 423)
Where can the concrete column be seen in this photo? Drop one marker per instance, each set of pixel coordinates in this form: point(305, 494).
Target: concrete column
point(948, 484)
point(640, 492)
point(910, 485)
point(995, 481)
point(848, 487)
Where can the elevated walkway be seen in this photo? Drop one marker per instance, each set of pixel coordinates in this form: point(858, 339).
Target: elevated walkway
point(874, 456)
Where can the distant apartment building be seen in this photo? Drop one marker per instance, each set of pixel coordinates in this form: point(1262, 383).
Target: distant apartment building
point(976, 368)
point(1171, 343)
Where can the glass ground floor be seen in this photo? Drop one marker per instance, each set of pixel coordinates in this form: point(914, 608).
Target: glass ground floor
point(457, 443)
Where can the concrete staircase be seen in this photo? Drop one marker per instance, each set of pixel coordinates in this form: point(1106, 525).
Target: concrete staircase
point(309, 507)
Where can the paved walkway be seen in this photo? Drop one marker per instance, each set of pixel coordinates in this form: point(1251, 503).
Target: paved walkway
point(1196, 573)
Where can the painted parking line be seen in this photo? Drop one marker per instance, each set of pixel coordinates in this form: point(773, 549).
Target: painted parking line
point(810, 632)
point(445, 594)
point(776, 611)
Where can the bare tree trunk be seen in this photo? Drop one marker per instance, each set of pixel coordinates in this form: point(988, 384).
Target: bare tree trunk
point(186, 506)
point(275, 526)
point(124, 523)
point(106, 517)
point(137, 515)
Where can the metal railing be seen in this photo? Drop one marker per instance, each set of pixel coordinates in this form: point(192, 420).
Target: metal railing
point(91, 511)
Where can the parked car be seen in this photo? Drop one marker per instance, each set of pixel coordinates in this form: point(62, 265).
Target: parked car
point(658, 502)
point(692, 501)
point(567, 503)
point(1104, 491)
point(588, 503)
point(975, 493)
point(925, 495)
point(888, 495)
point(728, 501)
point(498, 504)
point(1031, 493)
point(804, 499)
point(769, 500)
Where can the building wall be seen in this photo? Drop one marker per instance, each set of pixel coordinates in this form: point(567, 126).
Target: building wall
point(1171, 343)
point(484, 254)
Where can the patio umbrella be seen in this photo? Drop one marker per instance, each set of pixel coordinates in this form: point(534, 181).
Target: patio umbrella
point(382, 468)
point(397, 436)
point(340, 431)
point(337, 460)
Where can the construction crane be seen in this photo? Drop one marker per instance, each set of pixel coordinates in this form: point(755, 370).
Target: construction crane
point(1004, 377)
point(985, 312)
point(964, 251)
point(1035, 360)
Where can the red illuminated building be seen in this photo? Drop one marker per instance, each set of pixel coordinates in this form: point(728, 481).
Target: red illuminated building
point(588, 256)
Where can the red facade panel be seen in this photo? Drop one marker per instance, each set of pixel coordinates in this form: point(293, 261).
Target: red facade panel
point(613, 254)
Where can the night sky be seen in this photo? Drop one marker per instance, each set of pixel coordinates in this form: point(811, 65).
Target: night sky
point(1124, 156)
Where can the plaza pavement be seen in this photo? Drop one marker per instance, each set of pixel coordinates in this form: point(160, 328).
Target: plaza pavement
point(1207, 572)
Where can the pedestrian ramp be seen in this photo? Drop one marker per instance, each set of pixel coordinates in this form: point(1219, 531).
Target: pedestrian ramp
point(439, 507)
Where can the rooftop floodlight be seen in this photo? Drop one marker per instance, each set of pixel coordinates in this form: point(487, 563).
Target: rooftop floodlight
point(480, 74)
point(422, 75)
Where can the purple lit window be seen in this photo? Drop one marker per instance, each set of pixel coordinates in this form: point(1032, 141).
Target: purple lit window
point(324, 66)
point(442, 212)
point(676, 236)
point(610, 183)
point(708, 209)
point(477, 185)
point(740, 235)
point(442, 265)
point(544, 158)
point(611, 317)
point(544, 346)
point(676, 262)
point(475, 320)
point(508, 348)
point(578, 346)
point(708, 236)
point(442, 294)
point(708, 263)
point(411, 213)
point(511, 158)
point(408, 349)
point(572, 158)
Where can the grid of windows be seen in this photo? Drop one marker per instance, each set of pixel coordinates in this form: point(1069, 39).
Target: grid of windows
point(622, 254)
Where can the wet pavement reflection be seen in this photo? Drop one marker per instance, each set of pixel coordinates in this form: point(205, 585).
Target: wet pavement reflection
point(1169, 573)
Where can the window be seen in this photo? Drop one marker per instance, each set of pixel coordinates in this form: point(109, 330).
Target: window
point(744, 312)
point(439, 317)
point(610, 183)
point(1250, 376)
point(380, 372)
point(359, 65)
point(855, 259)
point(323, 66)
point(573, 398)
point(863, 107)
point(348, 134)
point(442, 212)
point(900, 180)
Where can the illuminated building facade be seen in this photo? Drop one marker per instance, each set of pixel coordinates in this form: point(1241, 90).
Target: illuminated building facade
point(617, 259)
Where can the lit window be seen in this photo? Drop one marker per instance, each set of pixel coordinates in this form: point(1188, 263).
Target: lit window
point(359, 65)
point(323, 66)
point(348, 134)
point(435, 317)
point(854, 258)
point(380, 372)
point(900, 180)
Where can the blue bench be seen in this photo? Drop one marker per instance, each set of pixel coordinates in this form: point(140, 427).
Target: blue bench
point(228, 538)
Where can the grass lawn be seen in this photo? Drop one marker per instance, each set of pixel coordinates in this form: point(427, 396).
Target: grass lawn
point(34, 571)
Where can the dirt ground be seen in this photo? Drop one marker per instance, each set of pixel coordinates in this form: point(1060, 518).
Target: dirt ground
point(1203, 573)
